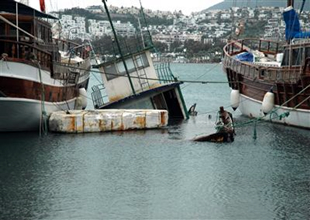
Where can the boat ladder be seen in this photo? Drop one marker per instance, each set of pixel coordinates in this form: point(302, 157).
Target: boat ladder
point(142, 76)
point(98, 96)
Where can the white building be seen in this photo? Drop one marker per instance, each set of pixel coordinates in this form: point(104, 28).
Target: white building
point(99, 28)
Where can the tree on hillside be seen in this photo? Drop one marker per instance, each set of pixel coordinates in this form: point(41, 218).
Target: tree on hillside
point(194, 47)
point(176, 46)
point(160, 47)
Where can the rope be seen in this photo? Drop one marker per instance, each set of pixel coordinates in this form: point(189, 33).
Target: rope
point(294, 97)
point(43, 112)
point(154, 79)
point(191, 81)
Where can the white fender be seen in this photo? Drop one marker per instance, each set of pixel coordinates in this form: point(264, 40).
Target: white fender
point(83, 97)
point(78, 103)
point(234, 98)
point(268, 102)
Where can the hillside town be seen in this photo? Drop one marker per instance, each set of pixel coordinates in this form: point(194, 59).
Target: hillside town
point(208, 29)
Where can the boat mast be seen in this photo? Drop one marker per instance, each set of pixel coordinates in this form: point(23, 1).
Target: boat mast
point(118, 45)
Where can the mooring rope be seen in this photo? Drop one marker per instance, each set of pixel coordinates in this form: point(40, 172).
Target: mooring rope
point(43, 117)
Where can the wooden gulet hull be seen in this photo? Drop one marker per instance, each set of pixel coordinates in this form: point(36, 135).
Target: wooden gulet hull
point(290, 85)
point(285, 112)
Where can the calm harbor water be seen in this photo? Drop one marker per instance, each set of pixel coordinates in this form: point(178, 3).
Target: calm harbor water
point(160, 174)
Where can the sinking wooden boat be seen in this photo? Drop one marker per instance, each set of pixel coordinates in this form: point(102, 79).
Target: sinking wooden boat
point(219, 137)
point(132, 81)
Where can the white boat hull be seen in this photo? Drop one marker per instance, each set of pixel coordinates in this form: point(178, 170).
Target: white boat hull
point(253, 108)
point(25, 115)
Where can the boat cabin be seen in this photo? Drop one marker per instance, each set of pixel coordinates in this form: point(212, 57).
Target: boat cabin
point(296, 55)
point(140, 70)
point(26, 36)
point(139, 85)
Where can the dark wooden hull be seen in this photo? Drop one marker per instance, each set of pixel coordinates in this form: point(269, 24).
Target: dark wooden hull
point(286, 94)
point(21, 88)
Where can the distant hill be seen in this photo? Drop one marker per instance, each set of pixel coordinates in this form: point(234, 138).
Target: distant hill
point(227, 4)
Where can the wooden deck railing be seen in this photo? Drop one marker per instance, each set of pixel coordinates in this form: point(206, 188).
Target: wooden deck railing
point(24, 52)
point(258, 71)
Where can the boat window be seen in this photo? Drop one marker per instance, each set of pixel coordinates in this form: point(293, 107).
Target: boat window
point(26, 27)
point(43, 36)
point(110, 72)
point(261, 74)
point(307, 52)
point(130, 66)
point(118, 69)
point(50, 36)
point(286, 58)
point(12, 31)
point(296, 56)
point(39, 34)
point(2, 29)
point(142, 61)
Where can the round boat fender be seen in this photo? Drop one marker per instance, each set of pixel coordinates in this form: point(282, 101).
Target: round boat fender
point(268, 102)
point(83, 97)
point(234, 99)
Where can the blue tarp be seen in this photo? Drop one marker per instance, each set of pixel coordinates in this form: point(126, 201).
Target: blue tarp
point(246, 56)
point(292, 29)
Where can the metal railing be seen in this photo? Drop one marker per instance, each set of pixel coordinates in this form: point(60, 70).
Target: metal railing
point(164, 73)
point(99, 96)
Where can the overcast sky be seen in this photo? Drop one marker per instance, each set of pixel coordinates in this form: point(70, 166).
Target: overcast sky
point(187, 6)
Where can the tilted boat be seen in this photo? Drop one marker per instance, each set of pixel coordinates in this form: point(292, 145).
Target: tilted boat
point(132, 81)
point(38, 74)
point(270, 80)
